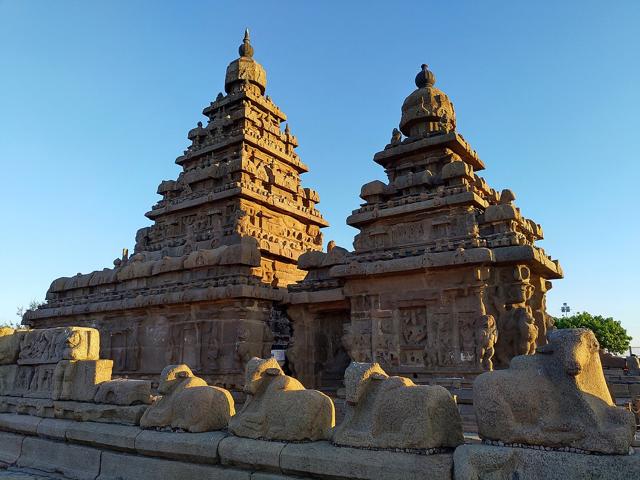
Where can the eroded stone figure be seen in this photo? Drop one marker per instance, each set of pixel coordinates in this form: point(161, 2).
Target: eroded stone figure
point(124, 392)
point(486, 339)
point(393, 412)
point(555, 398)
point(279, 407)
point(188, 403)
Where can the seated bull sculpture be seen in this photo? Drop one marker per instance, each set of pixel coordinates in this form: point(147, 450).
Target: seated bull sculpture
point(188, 403)
point(556, 398)
point(393, 412)
point(279, 408)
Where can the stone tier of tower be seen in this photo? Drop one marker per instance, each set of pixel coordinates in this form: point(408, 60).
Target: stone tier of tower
point(206, 283)
point(445, 278)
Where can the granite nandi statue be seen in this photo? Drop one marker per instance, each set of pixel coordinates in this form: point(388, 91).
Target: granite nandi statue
point(393, 412)
point(188, 403)
point(556, 398)
point(279, 407)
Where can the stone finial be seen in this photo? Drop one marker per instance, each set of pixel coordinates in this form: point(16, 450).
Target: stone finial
point(244, 70)
point(507, 197)
point(425, 77)
point(246, 50)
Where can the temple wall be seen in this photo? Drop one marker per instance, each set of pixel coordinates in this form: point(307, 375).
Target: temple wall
point(215, 339)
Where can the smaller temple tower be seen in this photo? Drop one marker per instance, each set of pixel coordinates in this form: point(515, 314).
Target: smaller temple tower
point(445, 278)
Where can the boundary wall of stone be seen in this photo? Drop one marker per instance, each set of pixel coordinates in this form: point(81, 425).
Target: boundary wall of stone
point(97, 451)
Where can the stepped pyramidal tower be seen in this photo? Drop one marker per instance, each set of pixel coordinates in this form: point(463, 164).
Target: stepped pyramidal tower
point(445, 279)
point(206, 281)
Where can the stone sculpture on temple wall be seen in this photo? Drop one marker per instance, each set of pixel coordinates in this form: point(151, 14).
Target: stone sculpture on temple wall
point(445, 277)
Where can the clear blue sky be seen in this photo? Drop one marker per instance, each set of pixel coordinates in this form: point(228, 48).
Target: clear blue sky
point(96, 99)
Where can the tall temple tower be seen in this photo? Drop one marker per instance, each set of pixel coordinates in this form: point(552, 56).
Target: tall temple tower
point(206, 281)
point(445, 278)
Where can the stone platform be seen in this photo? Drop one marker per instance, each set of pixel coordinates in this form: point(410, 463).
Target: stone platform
point(475, 462)
point(88, 450)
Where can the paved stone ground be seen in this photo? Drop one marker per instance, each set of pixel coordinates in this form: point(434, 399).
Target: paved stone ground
point(24, 475)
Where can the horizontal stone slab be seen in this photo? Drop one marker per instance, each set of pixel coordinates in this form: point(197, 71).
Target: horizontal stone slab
point(475, 462)
point(249, 453)
point(324, 460)
point(73, 461)
point(120, 466)
point(191, 447)
point(24, 424)
point(117, 437)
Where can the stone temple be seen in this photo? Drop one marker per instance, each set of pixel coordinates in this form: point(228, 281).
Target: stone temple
point(207, 282)
point(445, 278)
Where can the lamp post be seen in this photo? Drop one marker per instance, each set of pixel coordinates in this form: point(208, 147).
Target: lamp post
point(565, 309)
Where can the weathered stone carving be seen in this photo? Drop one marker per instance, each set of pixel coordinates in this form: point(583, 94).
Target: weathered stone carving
point(188, 403)
point(279, 407)
point(487, 336)
point(556, 398)
point(69, 388)
point(393, 412)
point(124, 392)
point(633, 365)
point(52, 345)
point(78, 380)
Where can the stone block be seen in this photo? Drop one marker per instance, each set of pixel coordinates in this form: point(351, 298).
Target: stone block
point(9, 345)
point(8, 379)
point(91, 412)
point(116, 437)
point(34, 381)
point(118, 466)
point(73, 461)
point(10, 447)
point(188, 447)
point(51, 345)
point(53, 428)
point(250, 454)
point(19, 423)
point(124, 392)
point(78, 380)
point(39, 407)
point(321, 459)
point(475, 462)
point(271, 476)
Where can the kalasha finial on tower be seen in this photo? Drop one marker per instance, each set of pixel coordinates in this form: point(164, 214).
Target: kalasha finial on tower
point(246, 50)
point(425, 78)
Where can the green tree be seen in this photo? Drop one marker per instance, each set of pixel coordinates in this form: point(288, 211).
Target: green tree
point(609, 332)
